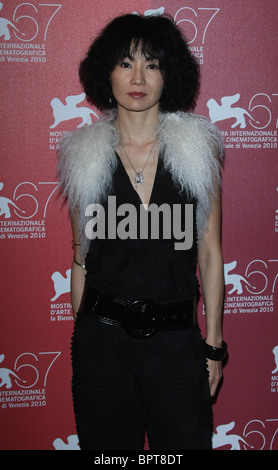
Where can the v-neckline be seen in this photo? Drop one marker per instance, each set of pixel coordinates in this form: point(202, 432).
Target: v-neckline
point(146, 206)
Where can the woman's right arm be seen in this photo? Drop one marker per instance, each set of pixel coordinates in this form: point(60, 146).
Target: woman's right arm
point(77, 272)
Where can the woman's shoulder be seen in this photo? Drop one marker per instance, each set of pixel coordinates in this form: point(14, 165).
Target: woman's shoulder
point(191, 130)
point(190, 122)
point(88, 139)
point(86, 159)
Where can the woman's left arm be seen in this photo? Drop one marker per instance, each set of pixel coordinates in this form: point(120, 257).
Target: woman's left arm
point(210, 262)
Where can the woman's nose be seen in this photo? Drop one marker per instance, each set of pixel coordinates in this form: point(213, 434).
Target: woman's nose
point(138, 77)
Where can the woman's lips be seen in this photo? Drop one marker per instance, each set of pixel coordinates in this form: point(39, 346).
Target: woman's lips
point(137, 94)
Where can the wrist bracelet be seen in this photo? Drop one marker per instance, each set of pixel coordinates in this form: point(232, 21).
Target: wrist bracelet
point(79, 264)
point(215, 354)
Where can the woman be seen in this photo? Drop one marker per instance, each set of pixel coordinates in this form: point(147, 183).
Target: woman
point(139, 362)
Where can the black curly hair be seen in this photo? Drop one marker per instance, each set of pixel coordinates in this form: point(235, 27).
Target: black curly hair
point(157, 37)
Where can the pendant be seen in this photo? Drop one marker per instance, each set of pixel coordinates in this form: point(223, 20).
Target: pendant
point(139, 178)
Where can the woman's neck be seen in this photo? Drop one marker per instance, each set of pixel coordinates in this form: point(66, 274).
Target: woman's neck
point(137, 128)
point(137, 148)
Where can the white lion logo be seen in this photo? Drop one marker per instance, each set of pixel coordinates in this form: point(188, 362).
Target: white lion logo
point(65, 112)
point(235, 279)
point(61, 283)
point(225, 111)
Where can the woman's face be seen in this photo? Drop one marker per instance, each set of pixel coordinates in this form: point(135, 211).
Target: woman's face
point(137, 83)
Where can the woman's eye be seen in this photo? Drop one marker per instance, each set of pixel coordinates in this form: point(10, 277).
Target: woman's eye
point(153, 66)
point(125, 64)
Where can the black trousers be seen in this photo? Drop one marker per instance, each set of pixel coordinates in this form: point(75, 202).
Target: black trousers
point(123, 386)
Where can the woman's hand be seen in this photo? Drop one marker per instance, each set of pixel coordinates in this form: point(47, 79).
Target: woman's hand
point(215, 375)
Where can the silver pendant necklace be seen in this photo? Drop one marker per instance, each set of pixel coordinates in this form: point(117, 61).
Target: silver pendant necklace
point(139, 175)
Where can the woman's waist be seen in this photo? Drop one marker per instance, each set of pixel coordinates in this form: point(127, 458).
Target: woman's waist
point(140, 317)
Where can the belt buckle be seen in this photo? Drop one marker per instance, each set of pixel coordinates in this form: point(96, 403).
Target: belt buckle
point(140, 320)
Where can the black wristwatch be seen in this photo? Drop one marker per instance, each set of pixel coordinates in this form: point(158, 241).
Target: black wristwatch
point(215, 354)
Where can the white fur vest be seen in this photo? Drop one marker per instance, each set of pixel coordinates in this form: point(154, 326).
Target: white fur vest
point(191, 147)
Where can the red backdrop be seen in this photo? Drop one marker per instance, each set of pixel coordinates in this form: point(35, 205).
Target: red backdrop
point(41, 45)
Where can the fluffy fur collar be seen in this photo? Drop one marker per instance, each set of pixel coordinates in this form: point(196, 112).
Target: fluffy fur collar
point(191, 146)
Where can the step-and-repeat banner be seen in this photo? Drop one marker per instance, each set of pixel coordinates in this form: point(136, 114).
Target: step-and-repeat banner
point(41, 45)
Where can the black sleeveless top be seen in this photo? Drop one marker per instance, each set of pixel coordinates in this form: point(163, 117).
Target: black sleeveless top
point(137, 267)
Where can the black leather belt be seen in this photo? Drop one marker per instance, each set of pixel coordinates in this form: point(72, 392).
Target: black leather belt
point(139, 318)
